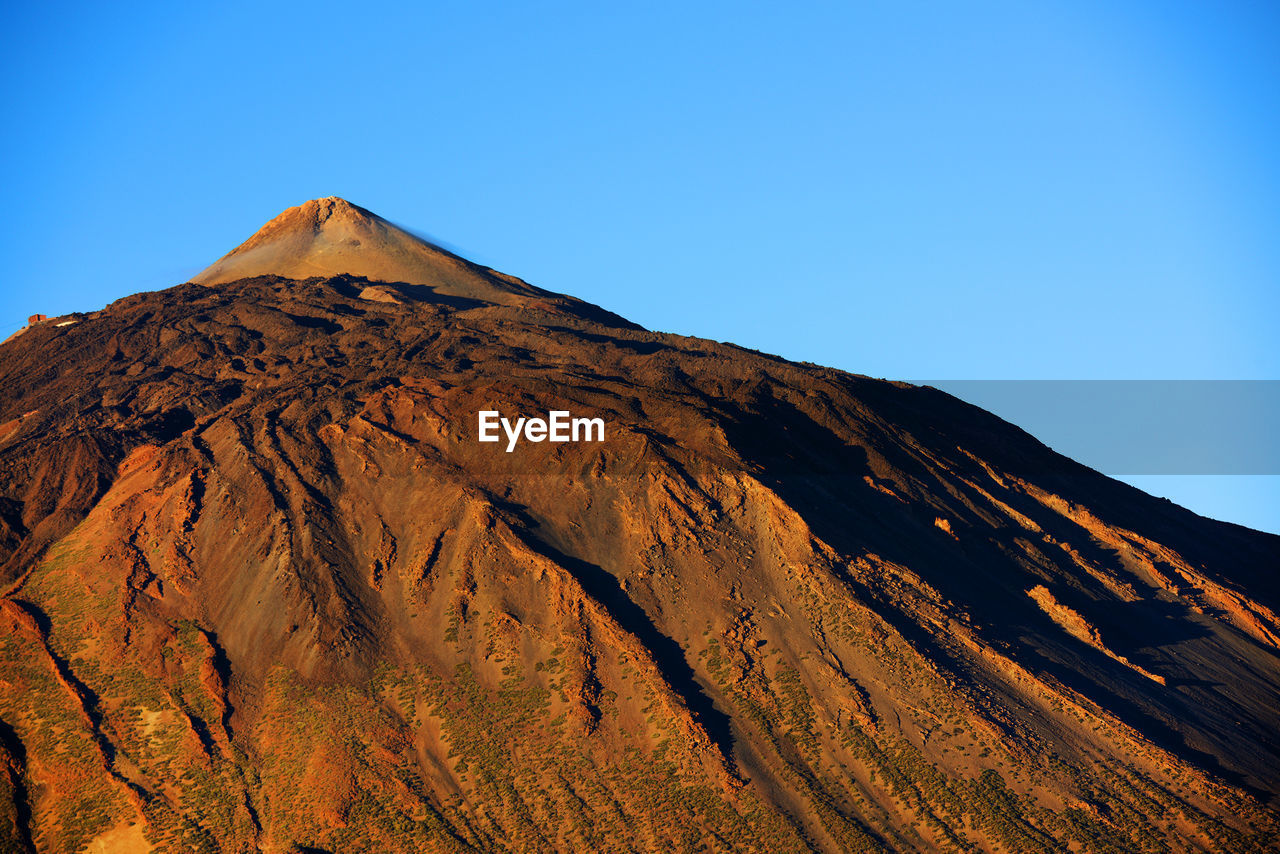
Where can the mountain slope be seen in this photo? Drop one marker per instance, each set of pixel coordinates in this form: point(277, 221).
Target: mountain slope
point(264, 590)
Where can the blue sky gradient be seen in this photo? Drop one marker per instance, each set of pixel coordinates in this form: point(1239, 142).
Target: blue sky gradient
point(1080, 190)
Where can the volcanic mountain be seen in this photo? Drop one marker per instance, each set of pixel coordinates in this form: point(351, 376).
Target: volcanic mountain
point(264, 589)
point(332, 237)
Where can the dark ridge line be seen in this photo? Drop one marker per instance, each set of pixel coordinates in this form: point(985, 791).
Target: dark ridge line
point(21, 797)
point(88, 699)
point(667, 654)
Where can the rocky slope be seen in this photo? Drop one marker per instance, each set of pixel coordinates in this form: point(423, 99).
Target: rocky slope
point(265, 591)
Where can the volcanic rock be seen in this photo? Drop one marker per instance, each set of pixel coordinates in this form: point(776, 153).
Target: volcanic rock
point(264, 590)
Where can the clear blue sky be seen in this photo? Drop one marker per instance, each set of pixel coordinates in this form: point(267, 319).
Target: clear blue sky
point(1056, 190)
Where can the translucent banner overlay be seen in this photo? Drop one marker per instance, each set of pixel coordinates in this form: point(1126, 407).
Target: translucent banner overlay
point(1142, 427)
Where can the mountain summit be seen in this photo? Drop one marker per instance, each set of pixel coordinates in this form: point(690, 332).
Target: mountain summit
point(264, 587)
point(331, 237)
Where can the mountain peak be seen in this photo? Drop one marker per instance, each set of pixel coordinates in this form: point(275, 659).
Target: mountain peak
point(330, 237)
point(308, 221)
point(320, 211)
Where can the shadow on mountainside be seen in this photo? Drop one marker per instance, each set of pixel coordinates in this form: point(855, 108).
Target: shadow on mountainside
point(666, 653)
point(821, 478)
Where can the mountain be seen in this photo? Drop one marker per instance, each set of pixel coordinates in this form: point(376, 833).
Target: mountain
point(332, 237)
point(264, 589)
